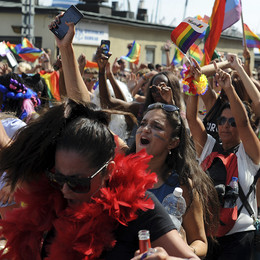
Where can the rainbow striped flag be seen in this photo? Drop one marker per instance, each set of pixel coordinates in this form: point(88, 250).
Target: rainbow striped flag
point(27, 51)
point(214, 30)
point(134, 53)
point(26, 43)
point(11, 47)
point(177, 58)
point(252, 40)
point(52, 81)
point(196, 53)
point(187, 32)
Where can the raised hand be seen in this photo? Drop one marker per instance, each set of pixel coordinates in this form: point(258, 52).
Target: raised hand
point(67, 40)
point(102, 59)
point(195, 69)
point(234, 61)
point(222, 77)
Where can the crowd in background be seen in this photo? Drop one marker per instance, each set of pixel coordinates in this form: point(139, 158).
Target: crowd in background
point(136, 120)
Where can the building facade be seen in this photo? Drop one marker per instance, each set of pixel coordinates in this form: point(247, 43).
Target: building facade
point(96, 26)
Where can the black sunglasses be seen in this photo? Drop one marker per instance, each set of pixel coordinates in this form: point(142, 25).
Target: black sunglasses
point(222, 120)
point(165, 107)
point(76, 184)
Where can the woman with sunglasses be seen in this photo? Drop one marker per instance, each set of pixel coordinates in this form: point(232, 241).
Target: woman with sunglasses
point(163, 135)
point(237, 137)
point(80, 200)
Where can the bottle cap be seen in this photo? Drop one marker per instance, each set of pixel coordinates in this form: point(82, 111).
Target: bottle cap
point(234, 178)
point(143, 234)
point(177, 192)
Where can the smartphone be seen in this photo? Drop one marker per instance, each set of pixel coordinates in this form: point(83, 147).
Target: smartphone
point(72, 14)
point(105, 46)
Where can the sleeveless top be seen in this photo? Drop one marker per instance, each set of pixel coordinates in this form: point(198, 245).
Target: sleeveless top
point(167, 188)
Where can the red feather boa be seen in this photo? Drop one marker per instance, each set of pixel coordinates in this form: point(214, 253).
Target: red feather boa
point(81, 233)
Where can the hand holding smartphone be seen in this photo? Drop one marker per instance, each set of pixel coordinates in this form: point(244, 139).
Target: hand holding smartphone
point(105, 46)
point(72, 14)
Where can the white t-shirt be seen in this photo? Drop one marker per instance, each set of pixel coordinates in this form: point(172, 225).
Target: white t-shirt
point(246, 172)
point(11, 126)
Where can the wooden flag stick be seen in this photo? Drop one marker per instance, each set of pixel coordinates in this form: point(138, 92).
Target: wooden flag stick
point(242, 20)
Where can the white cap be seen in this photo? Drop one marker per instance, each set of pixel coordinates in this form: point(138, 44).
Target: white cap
point(177, 192)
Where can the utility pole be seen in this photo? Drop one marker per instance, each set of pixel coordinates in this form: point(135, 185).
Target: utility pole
point(28, 19)
point(185, 7)
point(156, 12)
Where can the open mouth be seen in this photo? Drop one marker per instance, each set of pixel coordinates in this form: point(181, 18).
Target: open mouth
point(144, 141)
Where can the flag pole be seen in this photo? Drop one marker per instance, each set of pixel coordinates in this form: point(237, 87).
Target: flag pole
point(242, 21)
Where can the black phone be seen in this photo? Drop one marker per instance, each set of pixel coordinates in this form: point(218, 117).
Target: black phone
point(72, 14)
point(105, 46)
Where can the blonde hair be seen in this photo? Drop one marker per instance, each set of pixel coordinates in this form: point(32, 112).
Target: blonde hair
point(23, 67)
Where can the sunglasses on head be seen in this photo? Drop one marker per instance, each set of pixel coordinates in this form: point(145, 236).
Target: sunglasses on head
point(222, 120)
point(165, 107)
point(76, 184)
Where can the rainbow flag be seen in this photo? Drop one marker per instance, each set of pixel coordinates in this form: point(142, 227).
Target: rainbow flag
point(177, 58)
point(204, 19)
point(91, 64)
point(252, 40)
point(134, 53)
point(233, 11)
point(52, 81)
point(196, 53)
point(26, 43)
point(27, 51)
point(187, 32)
point(11, 47)
point(214, 30)
point(30, 54)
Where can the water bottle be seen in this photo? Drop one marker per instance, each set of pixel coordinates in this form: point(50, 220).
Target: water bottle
point(175, 205)
point(231, 193)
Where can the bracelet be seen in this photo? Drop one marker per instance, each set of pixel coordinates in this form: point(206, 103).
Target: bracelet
point(166, 50)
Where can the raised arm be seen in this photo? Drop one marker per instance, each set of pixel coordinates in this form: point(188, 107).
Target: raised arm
point(246, 133)
point(250, 87)
point(117, 90)
point(106, 100)
point(75, 86)
point(196, 126)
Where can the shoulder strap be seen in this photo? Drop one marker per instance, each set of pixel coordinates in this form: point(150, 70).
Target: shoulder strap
point(244, 198)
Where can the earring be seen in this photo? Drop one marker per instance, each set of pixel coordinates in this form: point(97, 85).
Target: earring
point(170, 152)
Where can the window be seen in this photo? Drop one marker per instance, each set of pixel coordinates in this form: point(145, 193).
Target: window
point(150, 52)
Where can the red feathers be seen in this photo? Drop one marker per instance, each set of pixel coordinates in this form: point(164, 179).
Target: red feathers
point(81, 233)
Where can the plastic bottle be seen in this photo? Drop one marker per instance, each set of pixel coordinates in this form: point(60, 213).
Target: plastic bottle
point(231, 193)
point(175, 205)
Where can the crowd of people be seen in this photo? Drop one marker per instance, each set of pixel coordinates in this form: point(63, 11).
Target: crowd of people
point(81, 177)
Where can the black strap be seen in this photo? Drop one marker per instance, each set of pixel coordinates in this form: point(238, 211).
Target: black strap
point(244, 198)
